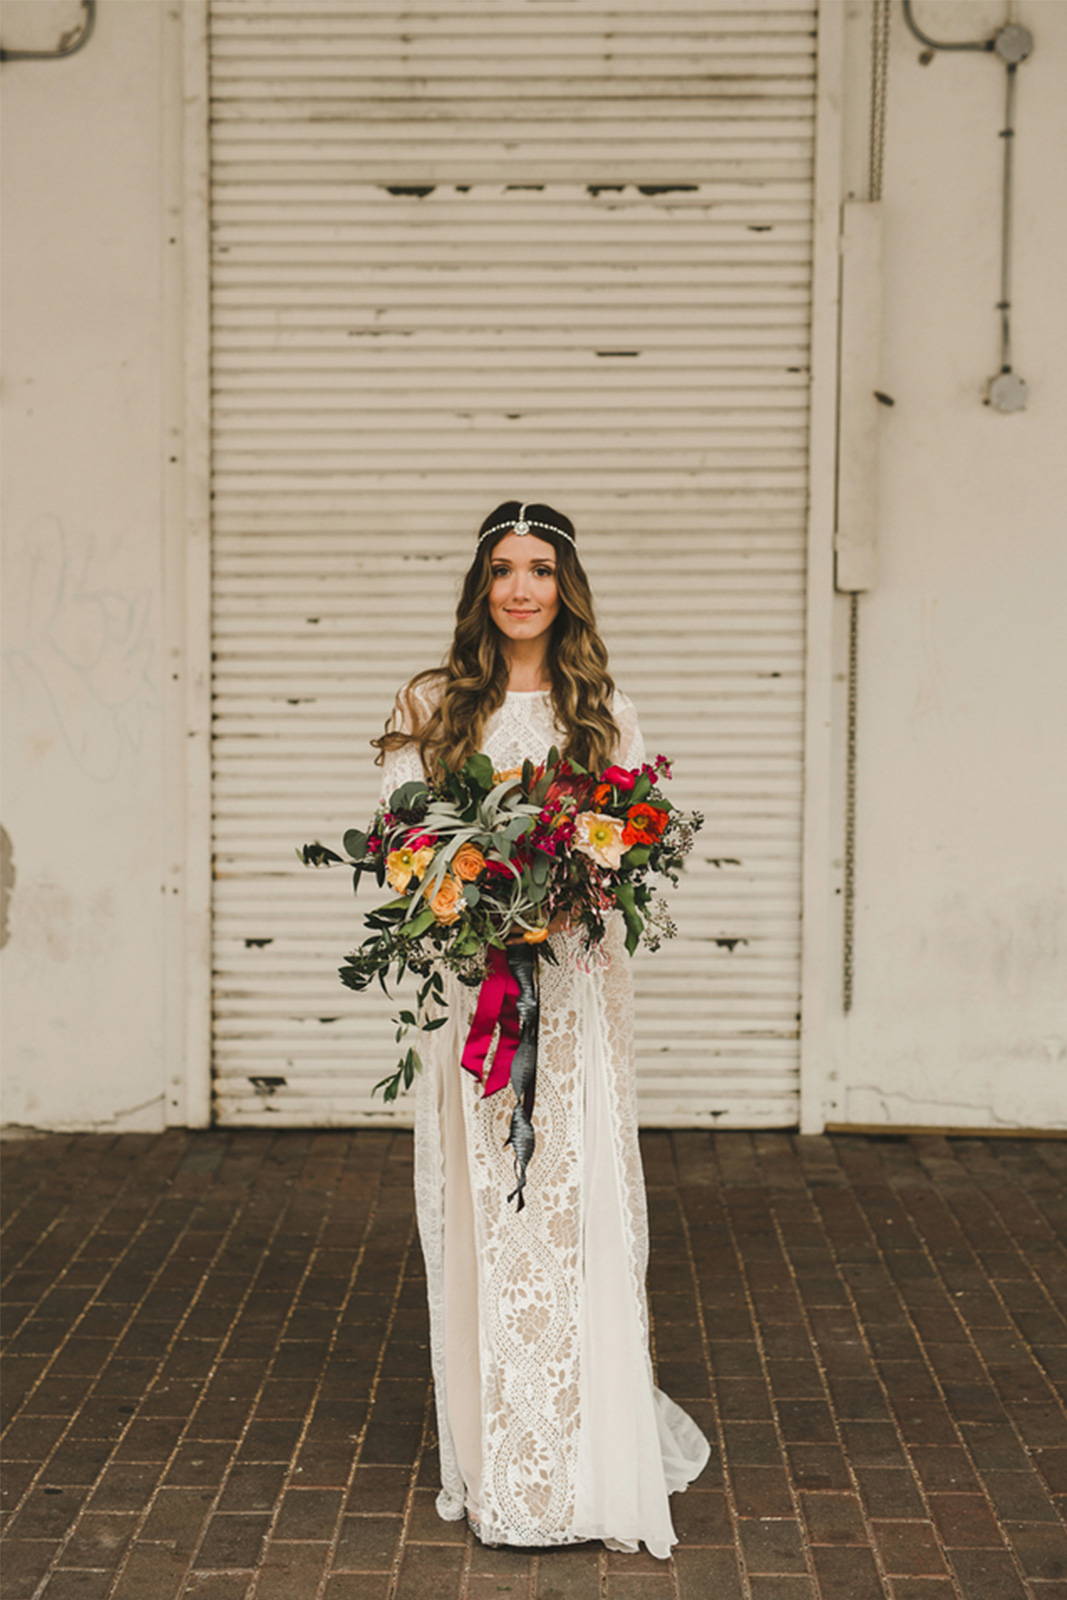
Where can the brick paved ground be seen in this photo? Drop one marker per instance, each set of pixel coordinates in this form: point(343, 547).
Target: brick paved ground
point(218, 1384)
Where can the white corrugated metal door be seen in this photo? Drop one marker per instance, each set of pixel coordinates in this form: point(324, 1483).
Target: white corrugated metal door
point(464, 253)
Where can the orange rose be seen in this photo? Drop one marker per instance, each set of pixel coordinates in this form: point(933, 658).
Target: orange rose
point(447, 900)
point(468, 862)
point(509, 772)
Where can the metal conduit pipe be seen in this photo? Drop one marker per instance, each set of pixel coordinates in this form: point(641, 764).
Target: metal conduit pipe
point(1006, 390)
point(69, 42)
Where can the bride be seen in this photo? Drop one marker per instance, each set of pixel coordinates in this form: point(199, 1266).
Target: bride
point(551, 1427)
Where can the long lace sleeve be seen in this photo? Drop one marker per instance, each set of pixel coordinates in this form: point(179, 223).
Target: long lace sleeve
point(631, 739)
point(404, 765)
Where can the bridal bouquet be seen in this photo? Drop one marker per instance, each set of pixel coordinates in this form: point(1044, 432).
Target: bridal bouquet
point(479, 866)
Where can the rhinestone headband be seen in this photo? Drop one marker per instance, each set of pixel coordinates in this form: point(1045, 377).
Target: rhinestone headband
point(522, 525)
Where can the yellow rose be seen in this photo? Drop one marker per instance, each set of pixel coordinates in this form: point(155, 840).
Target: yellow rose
point(447, 900)
point(402, 865)
point(510, 772)
point(468, 862)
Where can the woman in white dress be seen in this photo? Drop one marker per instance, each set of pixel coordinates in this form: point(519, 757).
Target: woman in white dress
point(551, 1427)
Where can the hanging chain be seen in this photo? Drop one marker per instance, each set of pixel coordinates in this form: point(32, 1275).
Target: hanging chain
point(850, 801)
point(879, 75)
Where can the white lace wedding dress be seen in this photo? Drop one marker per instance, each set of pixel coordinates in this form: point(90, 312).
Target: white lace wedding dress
point(550, 1424)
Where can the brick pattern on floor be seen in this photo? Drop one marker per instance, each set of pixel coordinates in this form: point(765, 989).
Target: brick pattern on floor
point(217, 1376)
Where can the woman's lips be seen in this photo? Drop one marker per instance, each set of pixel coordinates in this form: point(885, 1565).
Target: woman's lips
point(522, 613)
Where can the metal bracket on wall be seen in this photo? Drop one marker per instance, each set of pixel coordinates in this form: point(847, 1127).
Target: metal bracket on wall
point(1005, 390)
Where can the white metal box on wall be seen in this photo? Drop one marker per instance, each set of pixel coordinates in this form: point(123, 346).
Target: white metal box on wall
point(470, 253)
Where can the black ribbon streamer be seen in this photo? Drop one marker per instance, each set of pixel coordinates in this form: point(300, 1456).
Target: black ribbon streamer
point(522, 959)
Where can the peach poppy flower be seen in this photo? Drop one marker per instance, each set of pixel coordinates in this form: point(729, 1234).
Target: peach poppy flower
point(402, 865)
point(599, 836)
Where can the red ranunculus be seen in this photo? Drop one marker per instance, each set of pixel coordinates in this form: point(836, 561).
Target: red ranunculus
point(498, 869)
point(644, 824)
point(621, 777)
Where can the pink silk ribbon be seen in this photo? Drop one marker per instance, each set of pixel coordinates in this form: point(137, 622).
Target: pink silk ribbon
point(496, 1004)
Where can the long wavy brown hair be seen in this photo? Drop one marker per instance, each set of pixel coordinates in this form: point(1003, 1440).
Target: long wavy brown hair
point(448, 717)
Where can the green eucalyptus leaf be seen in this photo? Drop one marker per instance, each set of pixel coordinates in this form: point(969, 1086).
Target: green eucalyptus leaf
point(418, 925)
point(479, 769)
point(408, 796)
point(637, 855)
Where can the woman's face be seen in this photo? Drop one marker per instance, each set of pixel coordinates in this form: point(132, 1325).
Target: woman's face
point(523, 596)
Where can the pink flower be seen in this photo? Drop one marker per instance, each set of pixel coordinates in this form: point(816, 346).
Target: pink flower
point(621, 777)
point(421, 841)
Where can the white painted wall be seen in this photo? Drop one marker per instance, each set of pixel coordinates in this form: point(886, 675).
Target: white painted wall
point(83, 723)
point(960, 1008)
point(959, 1014)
